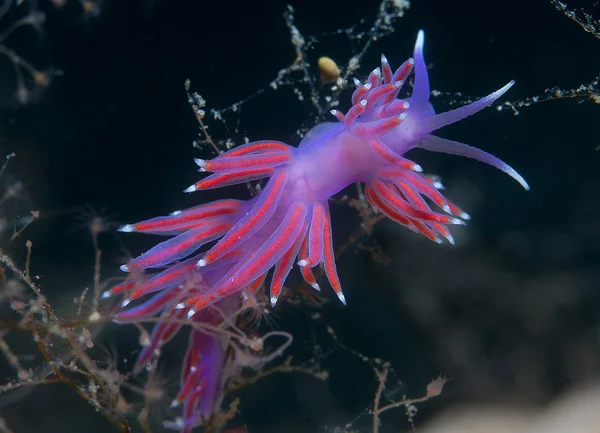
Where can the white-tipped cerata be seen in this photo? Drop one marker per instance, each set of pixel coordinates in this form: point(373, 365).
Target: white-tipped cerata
point(341, 297)
point(200, 163)
point(273, 301)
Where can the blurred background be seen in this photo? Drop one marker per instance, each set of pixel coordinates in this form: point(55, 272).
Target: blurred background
point(511, 313)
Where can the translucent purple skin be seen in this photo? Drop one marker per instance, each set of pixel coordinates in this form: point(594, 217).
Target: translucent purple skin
point(332, 157)
point(289, 220)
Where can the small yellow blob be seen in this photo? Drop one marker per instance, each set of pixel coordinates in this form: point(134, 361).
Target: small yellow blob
point(41, 78)
point(328, 69)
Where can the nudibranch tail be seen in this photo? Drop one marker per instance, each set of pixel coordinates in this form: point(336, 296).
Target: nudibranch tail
point(442, 145)
point(201, 376)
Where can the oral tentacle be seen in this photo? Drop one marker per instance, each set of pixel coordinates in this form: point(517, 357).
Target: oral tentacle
point(442, 145)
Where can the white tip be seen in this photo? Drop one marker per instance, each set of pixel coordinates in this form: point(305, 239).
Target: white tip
point(420, 41)
point(175, 403)
point(273, 301)
point(376, 71)
point(125, 303)
point(302, 262)
point(180, 306)
point(384, 59)
point(457, 222)
point(438, 185)
point(450, 239)
point(406, 105)
point(513, 173)
point(191, 313)
point(438, 241)
point(368, 86)
point(418, 168)
point(124, 268)
point(127, 228)
point(495, 95)
point(190, 189)
point(403, 116)
point(447, 209)
point(336, 113)
point(357, 82)
point(201, 263)
point(200, 163)
point(465, 216)
point(316, 287)
point(341, 297)
point(363, 102)
point(411, 60)
point(177, 212)
point(399, 84)
point(106, 295)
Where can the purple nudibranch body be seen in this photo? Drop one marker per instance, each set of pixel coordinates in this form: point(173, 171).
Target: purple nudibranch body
point(288, 222)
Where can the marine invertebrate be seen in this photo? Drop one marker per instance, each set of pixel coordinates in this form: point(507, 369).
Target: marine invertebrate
point(289, 220)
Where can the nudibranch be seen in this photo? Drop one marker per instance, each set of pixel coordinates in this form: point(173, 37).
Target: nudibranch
point(289, 221)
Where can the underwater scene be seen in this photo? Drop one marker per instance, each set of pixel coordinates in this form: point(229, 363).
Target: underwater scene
point(241, 217)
